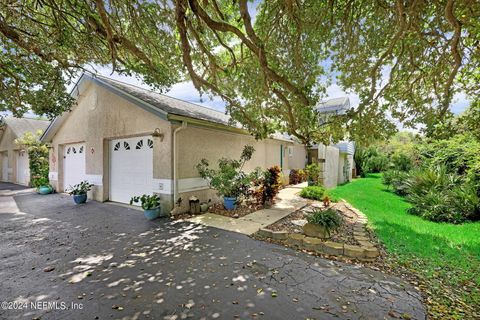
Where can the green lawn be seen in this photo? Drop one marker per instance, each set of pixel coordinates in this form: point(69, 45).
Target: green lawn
point(446, 256)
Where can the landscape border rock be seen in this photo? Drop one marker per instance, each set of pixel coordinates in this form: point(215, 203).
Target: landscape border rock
point(365, 251)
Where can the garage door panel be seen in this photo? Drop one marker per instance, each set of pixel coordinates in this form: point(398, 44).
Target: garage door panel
point(23, 171)
point(131, 168)
point(73, 165)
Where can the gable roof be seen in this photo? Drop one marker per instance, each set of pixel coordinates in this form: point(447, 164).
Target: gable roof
point(166, 107)
point(168, 104)
point(20, 126)
point(336, 105)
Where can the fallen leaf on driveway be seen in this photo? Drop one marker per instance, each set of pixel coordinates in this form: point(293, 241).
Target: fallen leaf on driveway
point(48, 269)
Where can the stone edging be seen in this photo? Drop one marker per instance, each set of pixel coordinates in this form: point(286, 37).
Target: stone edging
point(365, 251)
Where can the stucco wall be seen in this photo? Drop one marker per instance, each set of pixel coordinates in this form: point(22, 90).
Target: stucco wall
point(329, 164)
point(298, 158)
point(196, 143)
point(99, 117)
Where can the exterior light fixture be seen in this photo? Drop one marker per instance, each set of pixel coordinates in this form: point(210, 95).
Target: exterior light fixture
point(157, 134)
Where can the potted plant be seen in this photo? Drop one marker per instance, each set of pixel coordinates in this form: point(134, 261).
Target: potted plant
point(79, 191)
point(150, 205)
point(42, 184)
point(229, 180)
point(313, 172)
point(321, 223)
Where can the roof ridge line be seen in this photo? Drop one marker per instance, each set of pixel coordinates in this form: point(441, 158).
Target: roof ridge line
point(162, 94)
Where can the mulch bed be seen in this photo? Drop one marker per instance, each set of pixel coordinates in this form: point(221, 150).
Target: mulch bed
point(344, 234)
point(240, 211)
point(218, 208)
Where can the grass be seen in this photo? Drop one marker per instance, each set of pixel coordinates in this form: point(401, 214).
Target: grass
point(445, 256)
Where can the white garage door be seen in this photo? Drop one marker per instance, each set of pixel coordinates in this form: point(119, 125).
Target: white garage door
point(73, 164)
point(131, 168)
point(5, 166)
point(23, 171)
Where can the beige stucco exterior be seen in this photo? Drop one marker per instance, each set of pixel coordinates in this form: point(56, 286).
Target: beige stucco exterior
point(11, 129)
point(102, 114)
point(99, 117)
point(196, 143)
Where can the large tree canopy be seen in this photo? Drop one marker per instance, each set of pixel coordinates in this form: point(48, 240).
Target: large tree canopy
point(270, 61)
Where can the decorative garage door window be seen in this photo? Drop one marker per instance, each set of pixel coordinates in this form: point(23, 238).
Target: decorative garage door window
point(126, 145)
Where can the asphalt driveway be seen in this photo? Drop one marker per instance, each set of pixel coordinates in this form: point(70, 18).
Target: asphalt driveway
point(104, 261)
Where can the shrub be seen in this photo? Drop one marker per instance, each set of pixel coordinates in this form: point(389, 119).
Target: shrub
point(329, 219)
point(388, 177)
point(272, 183)
point(297, 176)
point(442, 197)
point(370, 160)
point(313, 192)
point(38, 158)
point(229, 179)
point(397, 180)
point(81, 188)
point(148, 202)
point(313, 172)
point(401, 162)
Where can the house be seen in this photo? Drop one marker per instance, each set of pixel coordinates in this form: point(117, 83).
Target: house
point(130, 141)
point(14, 160)
point(336, 160)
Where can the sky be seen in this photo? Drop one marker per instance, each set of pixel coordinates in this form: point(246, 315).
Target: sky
point(187, 92)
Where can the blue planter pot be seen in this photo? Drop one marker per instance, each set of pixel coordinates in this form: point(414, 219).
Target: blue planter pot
point(45, 189)
point(152, 214)
point(80, 198)
point(229, 203)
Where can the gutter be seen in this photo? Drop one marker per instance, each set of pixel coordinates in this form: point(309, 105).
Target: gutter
point(174, 147)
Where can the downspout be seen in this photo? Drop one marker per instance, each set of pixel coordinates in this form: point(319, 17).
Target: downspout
point(175, 185)
point(281, 157)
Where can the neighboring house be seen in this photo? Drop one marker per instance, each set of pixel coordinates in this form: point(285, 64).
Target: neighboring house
point(129, 141)
point(14, 160)
point(336, 160)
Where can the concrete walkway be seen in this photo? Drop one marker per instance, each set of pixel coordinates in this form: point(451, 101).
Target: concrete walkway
point(287, 202)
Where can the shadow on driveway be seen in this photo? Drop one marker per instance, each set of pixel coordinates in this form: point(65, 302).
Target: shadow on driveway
point(114, 264)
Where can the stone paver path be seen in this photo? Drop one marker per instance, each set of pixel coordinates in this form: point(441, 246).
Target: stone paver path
point(288, 201)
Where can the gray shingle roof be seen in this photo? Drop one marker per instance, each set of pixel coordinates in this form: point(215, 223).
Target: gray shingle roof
point(21, 125)
point(169, 104)
point(336, 105)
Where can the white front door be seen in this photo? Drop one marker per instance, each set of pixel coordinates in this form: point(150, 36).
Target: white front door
point(131, 168)
point(23, 171)
point(5, 166)
point(73, 164)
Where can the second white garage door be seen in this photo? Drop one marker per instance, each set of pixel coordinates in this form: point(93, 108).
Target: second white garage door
point(73, 165)
point(131, 168)
point(23, 171)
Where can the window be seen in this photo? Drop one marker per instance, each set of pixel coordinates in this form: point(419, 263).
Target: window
point(139, 145)
point(73, 150)
point(126, 145)
point(117, 146)
point(68, 150)
point(150, 143)
point(80, 150)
